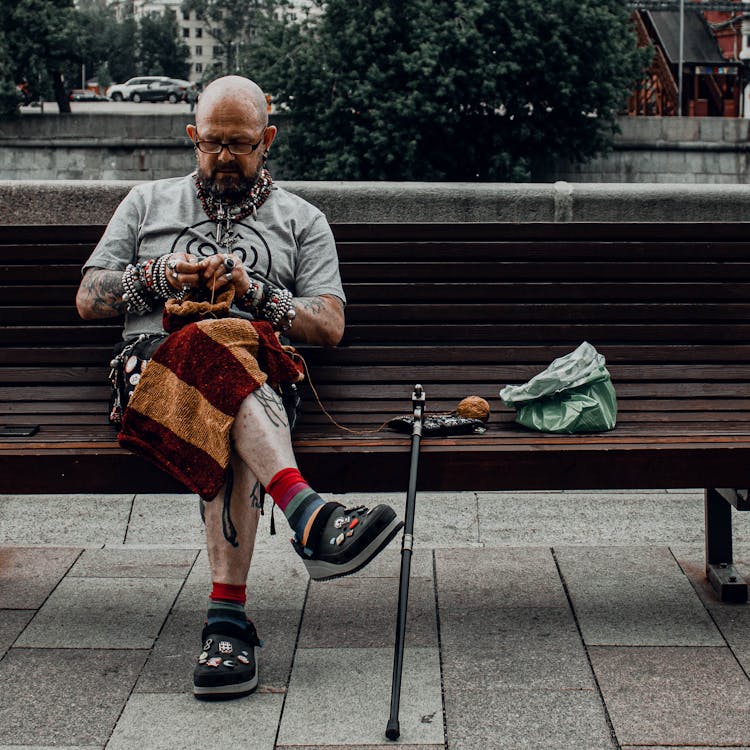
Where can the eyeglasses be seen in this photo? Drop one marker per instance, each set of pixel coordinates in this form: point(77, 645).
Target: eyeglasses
point(236, 149)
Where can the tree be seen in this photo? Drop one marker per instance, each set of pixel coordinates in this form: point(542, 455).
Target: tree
point(108, 46)
point(9, 95)
point(161, 52)
point(42, 38)
point(454, 89)
point(239, 27)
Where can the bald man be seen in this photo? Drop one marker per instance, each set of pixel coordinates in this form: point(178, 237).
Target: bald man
point(228, 223)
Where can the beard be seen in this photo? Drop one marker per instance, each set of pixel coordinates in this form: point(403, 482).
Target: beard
point(234, 192)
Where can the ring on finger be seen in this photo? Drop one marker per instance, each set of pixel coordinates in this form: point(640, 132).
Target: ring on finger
point(228, 262)
point(172, 263)
point(228, 276)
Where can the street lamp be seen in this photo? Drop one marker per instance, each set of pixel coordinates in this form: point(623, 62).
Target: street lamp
point(680, 56)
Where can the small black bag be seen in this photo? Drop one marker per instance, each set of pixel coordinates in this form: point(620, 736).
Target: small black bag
point(440, 425)
point(129, 360)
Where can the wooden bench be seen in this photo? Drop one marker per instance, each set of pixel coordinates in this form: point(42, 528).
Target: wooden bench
point(462, 309)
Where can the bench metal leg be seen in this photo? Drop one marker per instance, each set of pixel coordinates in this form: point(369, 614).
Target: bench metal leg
point(724, 577)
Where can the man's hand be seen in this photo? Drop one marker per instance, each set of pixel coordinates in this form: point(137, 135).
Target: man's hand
point(219, 270)
point(183, 270)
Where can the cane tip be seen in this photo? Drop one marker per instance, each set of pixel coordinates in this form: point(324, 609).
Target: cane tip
point(392, 731)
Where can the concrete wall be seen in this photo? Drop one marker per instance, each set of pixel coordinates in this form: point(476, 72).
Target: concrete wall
point(93, 146)
point(92, 202)
point(670, 149)
point(101, 146)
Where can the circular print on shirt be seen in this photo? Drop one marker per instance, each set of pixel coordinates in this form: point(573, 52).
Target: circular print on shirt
point(246, 241)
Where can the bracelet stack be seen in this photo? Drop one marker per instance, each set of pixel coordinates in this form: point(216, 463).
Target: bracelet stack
point(269, 303)
point(146, 282)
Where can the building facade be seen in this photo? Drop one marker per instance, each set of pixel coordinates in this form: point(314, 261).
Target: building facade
point(206, 51)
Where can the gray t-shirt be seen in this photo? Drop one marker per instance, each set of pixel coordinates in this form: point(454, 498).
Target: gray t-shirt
point(289, 242)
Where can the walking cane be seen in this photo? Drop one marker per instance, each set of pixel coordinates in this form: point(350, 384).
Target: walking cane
point(393, 731)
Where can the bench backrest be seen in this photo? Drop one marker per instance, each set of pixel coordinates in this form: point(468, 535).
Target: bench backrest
point(463, 309)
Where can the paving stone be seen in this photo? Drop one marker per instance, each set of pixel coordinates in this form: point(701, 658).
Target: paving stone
point(12, 622)
point(680, 747)
point(166, 520)
point(342, 697)
point(443, 519)
point(498, 649)
point(362, 612)
point(102, 613)
point(64, 697)
point(389, 746)
point(674, 696)
point(29, 574)
point(526, 720)
point(590, 518)
point(732, 620)
point(134, 562)
point(634, 596)
point(384, 746)
point(50, 747)
point(388, 563)
point(180, 722)
point(64, 520)
point(511, 577)
point(170, 666)
point(277, 580)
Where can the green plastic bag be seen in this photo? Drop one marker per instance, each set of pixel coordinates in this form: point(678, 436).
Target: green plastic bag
point(574, 394)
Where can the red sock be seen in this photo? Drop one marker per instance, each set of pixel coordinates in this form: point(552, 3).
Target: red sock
point(228, 592)
point(285, 485)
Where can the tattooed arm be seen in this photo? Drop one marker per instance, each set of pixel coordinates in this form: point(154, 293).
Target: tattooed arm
point(320, 320)
point(100, 294)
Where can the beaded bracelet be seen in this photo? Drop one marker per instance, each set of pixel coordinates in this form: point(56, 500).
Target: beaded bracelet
point(277, 307)
point(163, 288)
point(138, 300)
point(252, 299)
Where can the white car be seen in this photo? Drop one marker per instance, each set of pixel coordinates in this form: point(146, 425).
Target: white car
point(145, 88)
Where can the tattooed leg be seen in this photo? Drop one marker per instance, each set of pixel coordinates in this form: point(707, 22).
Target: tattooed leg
point(261, 435)
point(231, 564)
point(272, 405)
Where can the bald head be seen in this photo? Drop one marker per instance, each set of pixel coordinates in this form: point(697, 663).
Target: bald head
point(237, 91)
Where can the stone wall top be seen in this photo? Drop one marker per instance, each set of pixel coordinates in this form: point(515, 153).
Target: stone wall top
point(93, 202)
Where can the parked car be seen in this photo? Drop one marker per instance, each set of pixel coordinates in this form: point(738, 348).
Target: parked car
point(86, 95)
point(146, 89)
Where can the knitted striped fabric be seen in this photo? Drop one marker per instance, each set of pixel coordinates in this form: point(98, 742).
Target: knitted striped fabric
point(181, 413)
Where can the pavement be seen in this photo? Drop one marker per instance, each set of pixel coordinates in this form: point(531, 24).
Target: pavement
point(550, 621)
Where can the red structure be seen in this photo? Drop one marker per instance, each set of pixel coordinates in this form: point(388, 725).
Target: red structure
point(712, 68)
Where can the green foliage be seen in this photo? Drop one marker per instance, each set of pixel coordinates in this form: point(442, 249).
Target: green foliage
point(242, 29)
point(42, 36)
point(161, 53)
point(453, 89)
point(9, 94)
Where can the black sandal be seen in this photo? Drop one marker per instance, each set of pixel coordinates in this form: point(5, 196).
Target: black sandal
point(228, 665)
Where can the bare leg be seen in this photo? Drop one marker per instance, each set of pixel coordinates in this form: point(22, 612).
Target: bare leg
point(231, 564)
point(261, 434)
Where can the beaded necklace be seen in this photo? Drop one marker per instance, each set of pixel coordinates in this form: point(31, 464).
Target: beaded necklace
point(228, 215)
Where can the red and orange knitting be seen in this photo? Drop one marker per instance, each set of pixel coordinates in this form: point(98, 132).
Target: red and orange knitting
point(182, 411)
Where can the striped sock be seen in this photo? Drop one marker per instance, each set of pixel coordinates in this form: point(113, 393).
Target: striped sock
point(298, 501)
point(226, 603)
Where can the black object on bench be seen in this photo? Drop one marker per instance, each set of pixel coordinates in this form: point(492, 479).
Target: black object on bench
point(463, 309)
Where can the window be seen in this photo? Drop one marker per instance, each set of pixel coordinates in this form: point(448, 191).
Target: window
point(185, 32)
point(198, 33)
point(198, 67)
point(185, 15)
point(217, 51)
point(198, 51)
